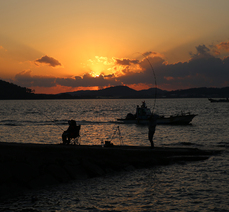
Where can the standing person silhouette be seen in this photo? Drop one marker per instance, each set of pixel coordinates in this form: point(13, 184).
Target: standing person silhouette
point(152, 128)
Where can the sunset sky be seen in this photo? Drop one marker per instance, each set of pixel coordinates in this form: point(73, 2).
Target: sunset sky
point(56, 46)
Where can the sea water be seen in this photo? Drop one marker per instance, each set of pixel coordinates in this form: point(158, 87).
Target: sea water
point(193, 186)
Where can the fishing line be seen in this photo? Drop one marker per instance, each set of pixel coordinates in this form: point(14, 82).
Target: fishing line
point(49, 118)
point(155, 80)
point(53, 121)
point(155, 96)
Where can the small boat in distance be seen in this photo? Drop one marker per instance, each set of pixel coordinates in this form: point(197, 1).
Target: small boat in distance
point(143, 114)
point(219, 100)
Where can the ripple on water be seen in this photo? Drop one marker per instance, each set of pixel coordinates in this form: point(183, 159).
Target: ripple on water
point(194, 186)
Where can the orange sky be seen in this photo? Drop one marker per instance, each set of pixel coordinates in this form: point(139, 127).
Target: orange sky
point(59, 46)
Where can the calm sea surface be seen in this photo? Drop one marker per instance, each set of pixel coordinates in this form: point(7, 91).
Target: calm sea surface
point(194, 186)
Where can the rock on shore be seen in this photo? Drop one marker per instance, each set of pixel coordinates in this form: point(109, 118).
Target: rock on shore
point(32, 166)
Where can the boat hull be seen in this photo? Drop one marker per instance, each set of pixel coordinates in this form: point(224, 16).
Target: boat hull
point(173, 120)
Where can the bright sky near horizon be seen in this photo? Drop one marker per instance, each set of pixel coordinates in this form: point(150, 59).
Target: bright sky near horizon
point(56, 46)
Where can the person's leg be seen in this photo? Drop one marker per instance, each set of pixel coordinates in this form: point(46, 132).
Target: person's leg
point(64, 137)
point(68, 140)
point(151, 138)
point(152, 144)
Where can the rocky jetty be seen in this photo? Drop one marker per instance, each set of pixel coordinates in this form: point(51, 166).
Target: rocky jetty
point(32, 166)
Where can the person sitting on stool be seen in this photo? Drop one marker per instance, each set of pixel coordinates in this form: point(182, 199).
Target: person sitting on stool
point(71, 132)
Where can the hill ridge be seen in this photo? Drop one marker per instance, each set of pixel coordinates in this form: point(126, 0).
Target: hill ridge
point(12, 91)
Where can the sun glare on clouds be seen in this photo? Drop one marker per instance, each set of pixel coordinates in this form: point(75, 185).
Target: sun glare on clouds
point(99, 66)
point(72, 45)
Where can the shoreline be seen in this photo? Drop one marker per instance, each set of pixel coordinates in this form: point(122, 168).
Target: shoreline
point(26, 166)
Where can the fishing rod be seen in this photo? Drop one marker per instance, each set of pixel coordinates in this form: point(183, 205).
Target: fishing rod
point(49, 118)
point(155, 97)
point(53, 122)
point(155, 80)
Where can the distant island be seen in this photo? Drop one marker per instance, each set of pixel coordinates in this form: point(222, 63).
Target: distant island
point(12, 91)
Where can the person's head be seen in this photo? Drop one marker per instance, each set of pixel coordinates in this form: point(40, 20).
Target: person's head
point(72, 122)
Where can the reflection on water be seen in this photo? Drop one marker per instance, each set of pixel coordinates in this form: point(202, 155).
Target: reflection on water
point(195, 186)
point(43, 121)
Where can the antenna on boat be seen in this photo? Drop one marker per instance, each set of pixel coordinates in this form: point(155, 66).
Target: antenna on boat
point(155, 80)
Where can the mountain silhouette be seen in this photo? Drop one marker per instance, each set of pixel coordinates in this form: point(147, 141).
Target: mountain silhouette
point(118, 92)
point(12, 91)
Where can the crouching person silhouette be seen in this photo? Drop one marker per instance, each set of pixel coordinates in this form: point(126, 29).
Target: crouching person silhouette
point(71, 133)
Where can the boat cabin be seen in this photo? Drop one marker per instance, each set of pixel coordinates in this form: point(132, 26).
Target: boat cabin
point(143, 112)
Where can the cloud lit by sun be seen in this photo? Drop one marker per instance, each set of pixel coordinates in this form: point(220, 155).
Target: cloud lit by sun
point(113, 67)
point(137, 72)
point(99, 66)
point(104, 45)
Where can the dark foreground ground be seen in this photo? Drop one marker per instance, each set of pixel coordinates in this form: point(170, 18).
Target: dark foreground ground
point(26, 167)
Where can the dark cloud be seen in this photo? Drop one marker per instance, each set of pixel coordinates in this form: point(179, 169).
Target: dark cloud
point(108, 75)
point(25, 79)
point(146, 76)
point(148, 53)
point(202, 70)
point(125, 62)
point(88, 81)
point(202, 51)
point(48, 60)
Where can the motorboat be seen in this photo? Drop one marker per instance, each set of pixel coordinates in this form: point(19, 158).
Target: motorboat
point(142, 116)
